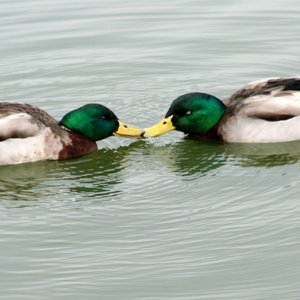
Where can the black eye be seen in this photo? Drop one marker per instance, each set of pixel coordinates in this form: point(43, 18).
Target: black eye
point(184, 112)
point(106, 117)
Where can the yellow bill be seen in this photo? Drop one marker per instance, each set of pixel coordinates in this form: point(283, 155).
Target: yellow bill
point(128, 131)
point(162, 127)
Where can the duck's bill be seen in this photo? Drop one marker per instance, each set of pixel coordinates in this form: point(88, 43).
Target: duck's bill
point(128, 131)
point(162, 127)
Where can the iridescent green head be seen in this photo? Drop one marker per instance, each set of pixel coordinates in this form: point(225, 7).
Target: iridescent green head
point(97, 122)
point(193, 113)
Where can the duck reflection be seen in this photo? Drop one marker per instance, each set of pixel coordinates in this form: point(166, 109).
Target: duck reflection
point(95, 175)
point(265, 155)
point(189, 156)
point(23, 181)
point(98, 174)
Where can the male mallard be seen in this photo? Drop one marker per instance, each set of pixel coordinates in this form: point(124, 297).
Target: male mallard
point(28, 133)
point(265, 111)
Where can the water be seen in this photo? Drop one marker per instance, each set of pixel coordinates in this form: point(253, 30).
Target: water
point(169, 218)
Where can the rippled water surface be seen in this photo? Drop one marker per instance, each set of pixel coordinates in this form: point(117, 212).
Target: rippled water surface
point(170, 218)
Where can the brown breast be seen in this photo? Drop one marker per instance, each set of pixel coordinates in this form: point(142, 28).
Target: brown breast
point(79, 145)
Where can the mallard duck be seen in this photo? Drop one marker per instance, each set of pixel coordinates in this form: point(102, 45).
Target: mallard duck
point(29, 134)
point(265, 111)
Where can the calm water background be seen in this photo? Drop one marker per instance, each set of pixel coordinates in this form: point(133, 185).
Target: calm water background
point(164, 219)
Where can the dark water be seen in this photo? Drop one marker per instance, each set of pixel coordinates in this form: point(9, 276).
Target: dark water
point(170, 218)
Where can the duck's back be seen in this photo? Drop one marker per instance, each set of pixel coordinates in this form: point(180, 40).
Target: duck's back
point(263, 112)
point(20, 120)
point(28, 133)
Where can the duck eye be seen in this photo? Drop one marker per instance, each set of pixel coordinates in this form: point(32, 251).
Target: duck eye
point(184, 112)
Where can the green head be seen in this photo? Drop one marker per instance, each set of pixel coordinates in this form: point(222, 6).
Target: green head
point(97, 122)
point(196, 112)
point(193, 113)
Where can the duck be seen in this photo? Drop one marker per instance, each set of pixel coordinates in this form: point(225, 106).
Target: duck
point(263, 111)
point(28, 133)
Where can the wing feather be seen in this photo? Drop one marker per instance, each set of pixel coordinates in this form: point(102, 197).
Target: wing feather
point(272, 99)
point(265, 87)
point(19, 125)
point(18, 120)
point(271, 108)
point(263, 111)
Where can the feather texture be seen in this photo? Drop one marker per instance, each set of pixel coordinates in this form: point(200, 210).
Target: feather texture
point(263, 112)
point(28, 134)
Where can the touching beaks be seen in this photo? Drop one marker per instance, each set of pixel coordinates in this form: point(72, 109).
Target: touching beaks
point(160, 128)
point(128, 131)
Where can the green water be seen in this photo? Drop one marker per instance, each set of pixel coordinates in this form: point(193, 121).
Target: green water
point(170, 218)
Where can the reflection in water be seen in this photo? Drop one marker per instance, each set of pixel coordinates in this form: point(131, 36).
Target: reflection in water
point(97, 174)
point(264, 155)
point(93, 175)
point(23, 182)
point(100, 174)
point(189, 156)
